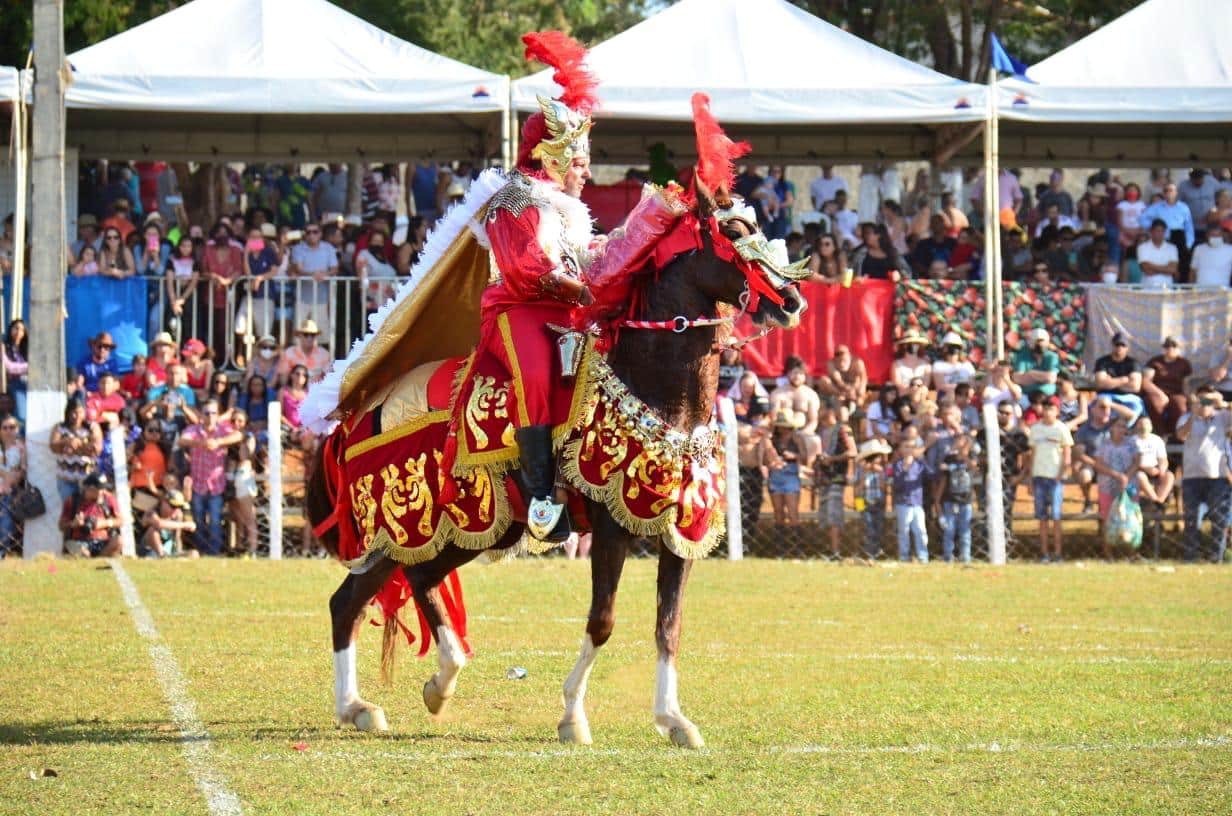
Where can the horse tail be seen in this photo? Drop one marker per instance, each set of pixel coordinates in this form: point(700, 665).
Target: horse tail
point(390, 636)
point(326, 499)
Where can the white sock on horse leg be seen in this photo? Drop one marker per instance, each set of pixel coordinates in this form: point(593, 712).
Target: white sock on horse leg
point(346, 684)
point(452, 660)
point(575, 683)
point(667, 705)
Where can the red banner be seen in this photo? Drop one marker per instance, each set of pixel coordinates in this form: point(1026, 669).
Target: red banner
point(860, 316)
point(610, 203)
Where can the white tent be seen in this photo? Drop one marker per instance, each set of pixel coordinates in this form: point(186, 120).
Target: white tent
point(276, 79)
point(9, 86)
point(1153, 86)
point(775, 75)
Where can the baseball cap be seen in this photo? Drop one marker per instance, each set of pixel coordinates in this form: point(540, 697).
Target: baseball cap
point(952, 339)
point(1119, 339)
point(1172, 340)
point(1039, 334)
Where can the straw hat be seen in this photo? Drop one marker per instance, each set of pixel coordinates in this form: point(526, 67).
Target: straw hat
point(176, 499)
point(309, 326)
point(787, 418)
point(873, 447)
point(162, 339)
point(953, 339)
point(913, 337)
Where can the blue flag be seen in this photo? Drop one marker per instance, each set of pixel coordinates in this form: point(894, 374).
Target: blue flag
point(1002, 61)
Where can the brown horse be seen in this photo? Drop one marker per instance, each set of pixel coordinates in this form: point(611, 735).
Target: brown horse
point(676, 375)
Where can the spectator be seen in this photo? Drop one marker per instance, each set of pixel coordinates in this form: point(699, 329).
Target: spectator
point(1009, 191)
point(147, 459)
point(1036, 365)
point(755, 457)
point(803, 401)
point(207, 444)
point(789, 449)
point(830, 468)
point(265, 300)
point(87, 263)
point(305, 352)
point(1178, 224)
point(1116, 460)
point(165, 525)
point(967, 259)
point(731, 367)
point(1163, 386)
point(846, 220)
point(182, 274)
point(876, 258)
point(162, 358)
point(1014, 448)
point(12, 476)
point(87, 235)
point(1001, 387)
point(16, 365)
point(1212, 261)
point(896, 226)
point(1050, 445)
point(1221, 374)
point(105, 405)
point(90, 520)
point(317, 261)
point(222, 264)
point(1055, 219)
point(153, 252)
point(955, 218)
point(224, 392)
point(290, 197)
point(826, 187)
point(912, 364)
point(115, 260)
point(870, 480)
point(846, 377)
point(1129, 219)
point(938, 246)
point(174, 400)
point(1087, 438)
point(1055, 195)
point(749, 397)
point(293, 394)
point(266, 363)
point(133, 384)
point(1073, 403)
point(1155, 479)
point(1158, 258)
point(377, 276)
point(907, 475)
point(1095, 264)
point(828, 261)
point(880, 416)
point(967, 410)
point(1119, 378)
point(254, 403)
point(197, 365)
point(957, 491)
point(329, 192)
point(952, 368)
point(99, 360)
point(242, 475)
point(1204, 432)
point(1198, 194)
point(77, 445)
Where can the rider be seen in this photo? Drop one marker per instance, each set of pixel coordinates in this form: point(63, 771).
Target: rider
point(540, 235)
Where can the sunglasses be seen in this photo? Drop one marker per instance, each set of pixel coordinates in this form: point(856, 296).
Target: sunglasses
point(8, 427)
point(108, 346)
point(211, 413)
point(154, 431)
point(113, 237)
point(313, 232)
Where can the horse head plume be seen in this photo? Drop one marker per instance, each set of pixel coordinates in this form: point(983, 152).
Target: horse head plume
point(716, 153)
point(567, 57)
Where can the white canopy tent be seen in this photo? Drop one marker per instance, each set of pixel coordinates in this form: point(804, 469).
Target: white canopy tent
point(277, 80)
point(1153, 87)
point(9, 86)
point(797, 87)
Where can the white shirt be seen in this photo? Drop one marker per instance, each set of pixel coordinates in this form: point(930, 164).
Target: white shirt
point(824, 189)
point(1213, 264)
point(1159, 255)
point(847, 221)
point(952, 374)
point(1062, 221)
point(1129, 213)
point(1151, 449)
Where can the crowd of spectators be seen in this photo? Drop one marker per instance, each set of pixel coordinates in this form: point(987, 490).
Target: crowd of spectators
point(915, 446)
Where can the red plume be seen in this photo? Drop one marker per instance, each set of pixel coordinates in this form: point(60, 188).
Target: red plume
point(716, 154)
point(568, 56)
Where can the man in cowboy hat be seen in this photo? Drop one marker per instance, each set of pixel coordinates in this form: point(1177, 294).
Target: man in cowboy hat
point(951, 370)
point(305, 351)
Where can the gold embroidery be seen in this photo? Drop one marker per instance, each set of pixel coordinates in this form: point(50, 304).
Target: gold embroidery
point(486, 401)
point(418, 493)
point(393, 503)
point(364, 507)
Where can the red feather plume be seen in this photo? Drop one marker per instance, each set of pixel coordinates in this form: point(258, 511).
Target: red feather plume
point(716, 154)
point(568, 56)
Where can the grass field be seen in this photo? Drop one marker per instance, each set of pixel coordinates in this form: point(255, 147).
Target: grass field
point(819, 689)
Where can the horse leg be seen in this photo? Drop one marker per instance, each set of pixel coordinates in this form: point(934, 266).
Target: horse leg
point(346, 609)
point(425, 580)
point(610, 545)
point(673, 573)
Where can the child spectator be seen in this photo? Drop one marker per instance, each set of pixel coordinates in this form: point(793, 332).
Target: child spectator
point(165, 526)
point(1155, 479)
point(242, 479)
point(789, 450)
point(1116, 461)
point(907, 476)
point(133, 384)
point(87, 264)
point(871, 492)
point(105, 405)
point(830, 469)
point(957, 489)
point(968, 414)
point(1049, 454)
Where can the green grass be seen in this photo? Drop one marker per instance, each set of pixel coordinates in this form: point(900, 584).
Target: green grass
point(819, 689)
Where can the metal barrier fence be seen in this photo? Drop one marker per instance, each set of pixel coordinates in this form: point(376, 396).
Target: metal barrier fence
point(231, 319)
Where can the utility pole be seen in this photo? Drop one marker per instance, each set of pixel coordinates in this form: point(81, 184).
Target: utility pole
point(45, 403)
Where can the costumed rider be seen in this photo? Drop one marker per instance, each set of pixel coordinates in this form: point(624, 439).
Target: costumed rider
point(541, 241)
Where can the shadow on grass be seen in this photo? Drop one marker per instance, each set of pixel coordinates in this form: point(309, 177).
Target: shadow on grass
point(90, 732)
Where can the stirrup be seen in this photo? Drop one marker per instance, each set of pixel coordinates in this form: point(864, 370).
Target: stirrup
point(542, 516)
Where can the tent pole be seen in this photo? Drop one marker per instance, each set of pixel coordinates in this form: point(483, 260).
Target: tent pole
point(990, 224)
point(995, 519)
point(507, 127)
point(20, 197)
point(995, 265)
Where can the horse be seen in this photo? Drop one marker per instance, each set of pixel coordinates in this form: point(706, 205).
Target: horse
point(676, 374)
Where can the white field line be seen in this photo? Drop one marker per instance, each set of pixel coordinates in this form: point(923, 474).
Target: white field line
point(1186, 744)
point(195, 739)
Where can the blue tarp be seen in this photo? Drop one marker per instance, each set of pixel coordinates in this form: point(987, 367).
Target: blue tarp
point(98, 304)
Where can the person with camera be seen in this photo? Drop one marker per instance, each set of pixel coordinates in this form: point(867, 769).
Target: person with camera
point(1204, 433)
point(90, 520)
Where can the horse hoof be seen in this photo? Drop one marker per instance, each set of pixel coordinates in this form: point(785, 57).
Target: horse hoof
point(371, 719)
point(686, 737)
point(433, 698)
point(574, 733)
